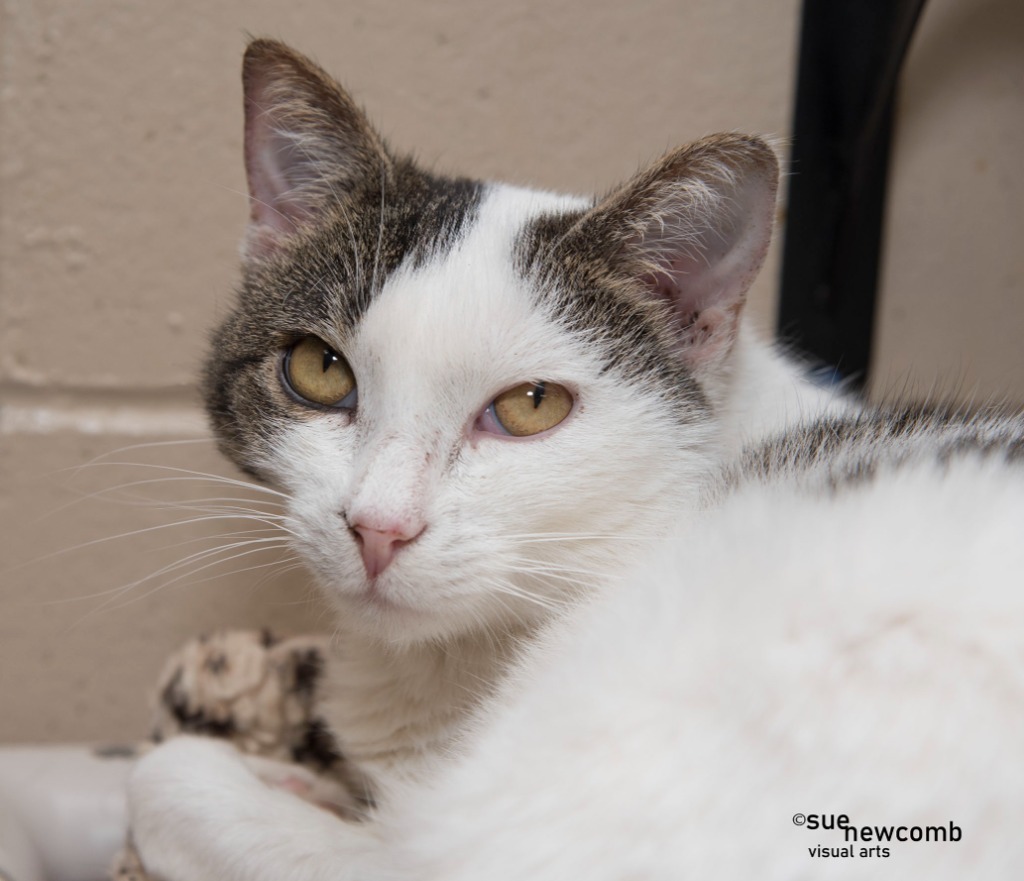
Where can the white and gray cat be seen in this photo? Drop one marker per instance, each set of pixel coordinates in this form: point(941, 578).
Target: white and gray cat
point(619, 592)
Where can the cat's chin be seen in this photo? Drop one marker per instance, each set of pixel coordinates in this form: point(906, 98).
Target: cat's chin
point(375, 603)
point(385, 616)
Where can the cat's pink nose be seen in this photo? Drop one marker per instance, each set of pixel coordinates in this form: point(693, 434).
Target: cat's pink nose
point(378, 545)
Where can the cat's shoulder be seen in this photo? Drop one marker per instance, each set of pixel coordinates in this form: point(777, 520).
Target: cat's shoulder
point(845, 449)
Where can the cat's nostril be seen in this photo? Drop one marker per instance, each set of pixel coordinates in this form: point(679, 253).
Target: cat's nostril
point(378, 546)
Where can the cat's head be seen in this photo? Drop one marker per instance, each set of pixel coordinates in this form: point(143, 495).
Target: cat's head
point(478, 399)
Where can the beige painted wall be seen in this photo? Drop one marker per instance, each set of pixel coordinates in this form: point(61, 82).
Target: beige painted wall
point(122, 199)
point(951, 317)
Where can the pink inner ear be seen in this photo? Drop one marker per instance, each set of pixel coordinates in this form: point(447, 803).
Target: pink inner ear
point(705, 322)
point(277, 171)
point(300, 129)
point(703, 261)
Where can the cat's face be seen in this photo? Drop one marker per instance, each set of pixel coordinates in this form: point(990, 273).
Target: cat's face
point(479, 400)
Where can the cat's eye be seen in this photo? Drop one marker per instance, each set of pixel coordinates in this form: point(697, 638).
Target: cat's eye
point(318, 374)
point(528, 409)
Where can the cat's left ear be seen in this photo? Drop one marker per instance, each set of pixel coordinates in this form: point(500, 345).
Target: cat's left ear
point(306, 143)
point(693, 231)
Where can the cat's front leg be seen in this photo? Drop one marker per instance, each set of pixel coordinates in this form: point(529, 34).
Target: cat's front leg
point(198, 812)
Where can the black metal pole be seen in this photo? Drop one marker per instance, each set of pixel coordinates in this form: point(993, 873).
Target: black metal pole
point(851, 53)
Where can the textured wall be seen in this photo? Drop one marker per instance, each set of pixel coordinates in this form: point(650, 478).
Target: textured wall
point(122, 199)
point(951, 318)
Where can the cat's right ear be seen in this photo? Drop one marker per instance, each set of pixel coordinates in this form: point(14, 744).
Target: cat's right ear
point(306, 143)
point(690, 234)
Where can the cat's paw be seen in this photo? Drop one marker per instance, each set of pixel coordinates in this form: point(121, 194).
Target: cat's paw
point(184, 797)
point(200, 811)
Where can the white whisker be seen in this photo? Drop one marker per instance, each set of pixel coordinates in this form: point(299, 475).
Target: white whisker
point(561, 571)
point(142, 531)
point(108, 607)
point(380, 233)
point(504, 587)
point(140, 446)
point(541, 538)
point(195, 475)
point(197, 557)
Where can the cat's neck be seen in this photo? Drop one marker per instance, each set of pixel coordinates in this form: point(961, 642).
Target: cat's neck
point(766, 391)
point(395, 708)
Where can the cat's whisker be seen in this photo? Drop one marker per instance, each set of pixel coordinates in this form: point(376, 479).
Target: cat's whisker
point(242, 533)
point(573, 575)
point(254, 544)
point(146, 445)
point(505, 587)
point(240, 501)
point(204, 506)
point(142, 531)
point(542, 538)
point(294, 564)
point(197, 557)
point(380, 232)
point(190, 473)
point(291, 560)
point(566, 572)
point(355, 247)
point(209, 505)
point(109, 605)
point(108, 494)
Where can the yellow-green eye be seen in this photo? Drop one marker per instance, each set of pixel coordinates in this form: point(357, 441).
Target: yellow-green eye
point(530, 408)
point(318, 374)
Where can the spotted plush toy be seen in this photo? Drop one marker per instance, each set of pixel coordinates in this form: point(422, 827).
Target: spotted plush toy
point(259, 693)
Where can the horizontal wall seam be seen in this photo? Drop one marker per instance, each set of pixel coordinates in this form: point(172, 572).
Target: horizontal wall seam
point(18, 418)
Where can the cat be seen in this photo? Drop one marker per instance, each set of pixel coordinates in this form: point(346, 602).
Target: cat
point(526, 444)
point(441, 296)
